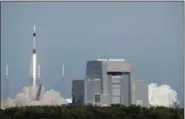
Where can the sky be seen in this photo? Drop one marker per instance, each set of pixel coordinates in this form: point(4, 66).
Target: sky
point(149, 34)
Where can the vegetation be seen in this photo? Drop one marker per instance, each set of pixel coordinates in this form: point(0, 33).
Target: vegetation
point(91, 112)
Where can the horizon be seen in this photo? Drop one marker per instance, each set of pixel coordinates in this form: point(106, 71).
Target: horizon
point(149, 34)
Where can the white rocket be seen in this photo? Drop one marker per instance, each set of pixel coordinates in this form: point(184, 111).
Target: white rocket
point(34, 59)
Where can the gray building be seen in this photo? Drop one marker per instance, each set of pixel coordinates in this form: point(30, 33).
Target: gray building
point(140, 93)
point(114, 79)
point(108, 81)
point(92, 88)
point(78, 91)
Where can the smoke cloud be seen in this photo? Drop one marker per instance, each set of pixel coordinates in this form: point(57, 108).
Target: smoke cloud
point(162, 95)
point(159, 95)
point(28, 95)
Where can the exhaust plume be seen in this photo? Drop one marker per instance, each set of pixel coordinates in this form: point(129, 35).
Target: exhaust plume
point(27, 98)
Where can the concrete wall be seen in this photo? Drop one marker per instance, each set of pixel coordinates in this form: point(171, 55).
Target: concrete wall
point(140, 92)
point(105, 100)
point(104, 79)
point(94, 69)
point(92, 87)
point(126, 89)
point(118, 66)
point(78, 91)
point(109, 89)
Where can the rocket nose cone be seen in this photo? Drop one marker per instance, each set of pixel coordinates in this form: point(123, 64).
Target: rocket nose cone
point(34, 28)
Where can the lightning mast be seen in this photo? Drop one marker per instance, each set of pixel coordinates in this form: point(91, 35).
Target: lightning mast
point(62, 77)
point(62, 72)
point(6, 86)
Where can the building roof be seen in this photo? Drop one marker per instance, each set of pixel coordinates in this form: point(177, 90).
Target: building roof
point(110, 59)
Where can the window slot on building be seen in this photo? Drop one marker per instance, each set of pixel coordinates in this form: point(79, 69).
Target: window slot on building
point(97, 98)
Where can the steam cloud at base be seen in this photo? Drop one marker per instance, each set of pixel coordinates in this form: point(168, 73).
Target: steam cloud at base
point(27, 98)
point(161, 95)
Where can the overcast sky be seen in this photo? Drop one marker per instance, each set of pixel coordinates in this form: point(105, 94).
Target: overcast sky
point(149, 34)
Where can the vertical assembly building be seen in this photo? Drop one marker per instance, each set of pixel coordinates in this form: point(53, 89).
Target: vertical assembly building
point(108, 81)
point(115, 81)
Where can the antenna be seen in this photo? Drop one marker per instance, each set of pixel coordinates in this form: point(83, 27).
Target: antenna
point(62, 77)
point(63, 72)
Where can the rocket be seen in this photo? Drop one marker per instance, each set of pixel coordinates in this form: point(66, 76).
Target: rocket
point(34, 59)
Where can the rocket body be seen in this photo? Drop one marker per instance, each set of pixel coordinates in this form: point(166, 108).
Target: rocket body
point(34, 59)
point(34, 75)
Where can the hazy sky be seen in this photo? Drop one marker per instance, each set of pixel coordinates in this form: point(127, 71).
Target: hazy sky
point(150, 34)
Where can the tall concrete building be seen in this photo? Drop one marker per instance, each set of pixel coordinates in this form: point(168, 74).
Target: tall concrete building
point(108, 81)
point(114, 80)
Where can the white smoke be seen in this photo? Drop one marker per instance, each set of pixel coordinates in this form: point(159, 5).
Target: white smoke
point(27, 98)
point(69, 100)
point(162, 95)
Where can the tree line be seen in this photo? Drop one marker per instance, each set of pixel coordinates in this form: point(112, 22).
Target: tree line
point(91, 112)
